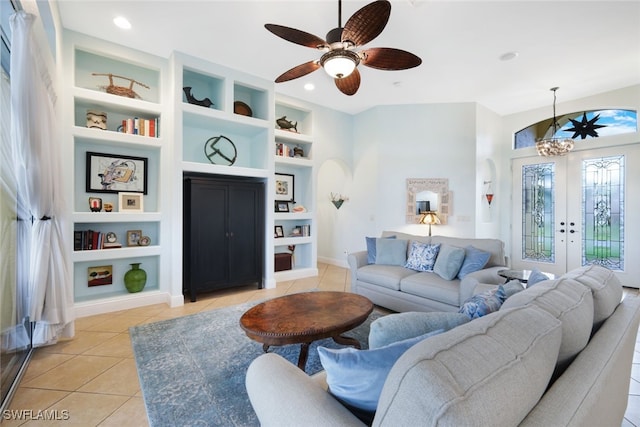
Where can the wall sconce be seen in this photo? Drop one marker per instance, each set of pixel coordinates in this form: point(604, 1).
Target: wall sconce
point(488, 193)
point(338, 200)
point(429, 217)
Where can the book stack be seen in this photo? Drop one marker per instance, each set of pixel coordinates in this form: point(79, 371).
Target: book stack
point(284, 150)
point(138, 126)
point(89, 240)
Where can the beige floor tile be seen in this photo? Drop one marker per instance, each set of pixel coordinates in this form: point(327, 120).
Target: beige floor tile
point(131, 414)
point(118, 346)
point(42, 362)
point(86, 323)
point(73, 373)
point(83, 341)
point(122, 379)
point(120, 323)
point(83, 409)
point(29, 399)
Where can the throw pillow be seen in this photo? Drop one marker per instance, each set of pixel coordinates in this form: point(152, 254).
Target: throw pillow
point(371, 248)
point(391, 251)
point(422, 256)
point(511, 288)
point(536, 276)
point(448, 262)
point(474, 260)
point(355, 377)
point(395, 327)
point(484, 303)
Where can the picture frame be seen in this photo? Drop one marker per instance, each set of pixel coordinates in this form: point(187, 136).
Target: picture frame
point(133, 237)
point(100, 276)
point(130, 202)
point(113, 173)
point(281, 206)
point(285, 187)
point(279, 231)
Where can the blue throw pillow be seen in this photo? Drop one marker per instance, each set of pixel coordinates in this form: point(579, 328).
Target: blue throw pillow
point(355, 377)
point(422, 256)
point(535, 277)
point(371, 248)
point(474, 260)
point(484, 303)
point(448, 262)
point(391, 251)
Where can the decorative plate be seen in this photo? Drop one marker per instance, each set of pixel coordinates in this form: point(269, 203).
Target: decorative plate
point(241, 108)
point(144, 241)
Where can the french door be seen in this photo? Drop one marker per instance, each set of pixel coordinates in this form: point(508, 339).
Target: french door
point(578, 209)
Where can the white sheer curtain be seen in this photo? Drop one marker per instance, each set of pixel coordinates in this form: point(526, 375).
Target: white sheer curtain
point(37, 150)
point(14, 335)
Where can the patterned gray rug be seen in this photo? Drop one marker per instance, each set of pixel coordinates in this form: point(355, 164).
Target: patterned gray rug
point(192, 369)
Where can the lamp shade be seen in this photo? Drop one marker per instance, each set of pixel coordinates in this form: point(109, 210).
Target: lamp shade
point(429, 218)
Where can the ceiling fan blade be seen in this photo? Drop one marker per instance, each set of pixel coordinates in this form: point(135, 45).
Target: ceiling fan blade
point(349, 85)
point(296, 36)
point(367, 23)
point(298, 71)
point(387, 58)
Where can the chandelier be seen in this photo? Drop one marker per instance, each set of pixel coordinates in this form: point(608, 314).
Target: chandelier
point(552, 146)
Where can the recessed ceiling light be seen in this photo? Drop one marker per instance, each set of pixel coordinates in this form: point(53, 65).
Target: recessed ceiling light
point(122, 22)
point(508, 56)
point(309, 86)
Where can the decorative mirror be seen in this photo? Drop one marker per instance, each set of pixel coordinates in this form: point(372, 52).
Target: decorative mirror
point(427, 194)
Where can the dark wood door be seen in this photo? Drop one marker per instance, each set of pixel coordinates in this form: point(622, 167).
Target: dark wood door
point(223, 233)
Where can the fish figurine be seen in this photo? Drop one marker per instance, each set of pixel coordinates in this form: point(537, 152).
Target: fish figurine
point(287, 124)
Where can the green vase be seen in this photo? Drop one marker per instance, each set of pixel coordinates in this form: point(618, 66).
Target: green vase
point(135, 279)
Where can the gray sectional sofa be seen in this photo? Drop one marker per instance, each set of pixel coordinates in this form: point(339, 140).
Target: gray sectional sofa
point(558, 353)
point(403, 289)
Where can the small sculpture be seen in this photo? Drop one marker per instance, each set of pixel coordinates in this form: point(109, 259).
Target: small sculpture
point(206, 102)
point(287, 124)
point(120, 90)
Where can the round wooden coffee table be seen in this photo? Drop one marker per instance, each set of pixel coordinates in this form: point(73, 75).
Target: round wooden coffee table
point(306, 317)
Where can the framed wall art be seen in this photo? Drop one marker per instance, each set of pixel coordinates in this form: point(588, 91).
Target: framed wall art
point(281, 206)
point(133, 237)
point(130, 202)
point(112, 173)
point(98, 276)
point(284, 187)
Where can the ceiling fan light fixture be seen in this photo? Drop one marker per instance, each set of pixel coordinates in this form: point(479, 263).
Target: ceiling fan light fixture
point(339, 63)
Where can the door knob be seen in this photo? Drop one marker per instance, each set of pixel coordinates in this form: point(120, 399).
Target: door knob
point(562, 230)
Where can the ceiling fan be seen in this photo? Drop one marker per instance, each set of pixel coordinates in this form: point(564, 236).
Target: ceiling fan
point(340, 59)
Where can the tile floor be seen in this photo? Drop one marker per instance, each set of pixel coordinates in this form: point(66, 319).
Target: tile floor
point(91, 380)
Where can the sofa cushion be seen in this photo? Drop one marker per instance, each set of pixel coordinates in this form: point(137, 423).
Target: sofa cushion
point(568, 301)
point(605, 288)
point(488, 372)
point(356, 377)
point(371, 248)
point(449, 261)
point(483, 303)
point(387, 276)
point(495, 247)
point(400, 326)
point(431, 286)
point(391, 251)
point(422, 256)
point(474, 260)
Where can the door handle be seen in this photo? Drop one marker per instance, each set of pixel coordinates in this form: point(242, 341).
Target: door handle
point(562, 230)
point(572, 231)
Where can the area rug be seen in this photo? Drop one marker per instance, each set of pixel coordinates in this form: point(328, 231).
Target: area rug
point(192, 369)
